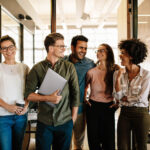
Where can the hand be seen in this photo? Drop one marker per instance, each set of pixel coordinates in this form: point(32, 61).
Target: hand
point(24, 110)
point(121, 71)
point(115, 105)
point(74, 117)
point(116, 67)
point(54, 97)
point(124, 99)
point(13, 108)
point(87, 102)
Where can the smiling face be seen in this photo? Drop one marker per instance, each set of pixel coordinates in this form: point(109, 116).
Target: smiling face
point(58, 49)
point(125, 58)
point(80, 50)
point(8, 50)
point(102, 53)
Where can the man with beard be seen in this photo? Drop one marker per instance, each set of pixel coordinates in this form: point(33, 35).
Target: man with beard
point(82, 65)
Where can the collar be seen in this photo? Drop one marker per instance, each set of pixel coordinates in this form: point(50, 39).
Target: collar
point(57, 63)
point(140, 72)
point(81, 61)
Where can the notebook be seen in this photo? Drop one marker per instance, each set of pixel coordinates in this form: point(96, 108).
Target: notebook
point(52, 82)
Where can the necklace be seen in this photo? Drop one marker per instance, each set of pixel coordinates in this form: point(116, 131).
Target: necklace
point(11, 68)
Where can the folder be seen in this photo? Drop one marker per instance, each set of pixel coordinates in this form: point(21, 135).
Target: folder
point(52, 82)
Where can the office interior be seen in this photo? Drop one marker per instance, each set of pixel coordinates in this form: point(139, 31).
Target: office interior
point(102, 21)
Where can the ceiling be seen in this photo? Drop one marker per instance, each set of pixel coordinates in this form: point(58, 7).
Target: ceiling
point(69, 13)
point(72, 12)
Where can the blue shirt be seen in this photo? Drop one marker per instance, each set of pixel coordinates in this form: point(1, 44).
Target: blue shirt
point(82, 68)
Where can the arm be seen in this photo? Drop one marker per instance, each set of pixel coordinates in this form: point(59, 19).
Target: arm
point(24, 110)
point(10, 108)
point(142, 96)
point(74, 92)
point(87, 85)
point(117, 91)
point(74, 113)
point(85, 95)
point(118, 80)
point(31, 86)
point(54, 98)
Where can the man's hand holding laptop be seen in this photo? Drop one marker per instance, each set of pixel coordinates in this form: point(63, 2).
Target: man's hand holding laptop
point(54, 97)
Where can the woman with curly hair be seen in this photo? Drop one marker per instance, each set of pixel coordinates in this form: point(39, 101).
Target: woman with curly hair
point(131, 89)
point(99, 113)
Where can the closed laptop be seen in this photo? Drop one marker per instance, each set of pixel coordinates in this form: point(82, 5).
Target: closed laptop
point(52, 82)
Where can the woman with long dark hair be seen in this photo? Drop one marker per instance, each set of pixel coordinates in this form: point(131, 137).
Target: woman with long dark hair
point(100, 115)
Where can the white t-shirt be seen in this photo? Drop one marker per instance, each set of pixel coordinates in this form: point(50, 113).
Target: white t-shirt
point(12, 84)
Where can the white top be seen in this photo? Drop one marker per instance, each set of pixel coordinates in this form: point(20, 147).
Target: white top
point(12, 84)
point(137, 90)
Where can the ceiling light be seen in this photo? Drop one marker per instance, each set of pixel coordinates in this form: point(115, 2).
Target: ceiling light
point(28, 17)
point(85, 16)
point(23, 17)
point(144, 15)
point(20, 16)
point(142, 22)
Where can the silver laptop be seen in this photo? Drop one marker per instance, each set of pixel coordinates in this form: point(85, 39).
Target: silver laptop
point(52, 82)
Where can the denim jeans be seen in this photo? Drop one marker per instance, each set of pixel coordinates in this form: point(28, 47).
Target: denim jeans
point(12, 129)
point(57, 137)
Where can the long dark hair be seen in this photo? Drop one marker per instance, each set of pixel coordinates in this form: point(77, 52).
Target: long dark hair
point(110, 69)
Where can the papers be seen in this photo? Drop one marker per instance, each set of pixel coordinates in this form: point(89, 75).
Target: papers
point(52, 82)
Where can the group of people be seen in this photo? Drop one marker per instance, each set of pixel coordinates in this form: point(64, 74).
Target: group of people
point(111, 86)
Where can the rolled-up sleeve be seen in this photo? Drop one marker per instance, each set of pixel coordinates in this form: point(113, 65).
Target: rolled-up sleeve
point(31, 83)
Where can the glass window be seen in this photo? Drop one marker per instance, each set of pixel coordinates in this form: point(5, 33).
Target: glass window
point(98, 36)
point(144, 27)
point(68, 35)
point(40, 52)
point(28, 48)
point(11, 27)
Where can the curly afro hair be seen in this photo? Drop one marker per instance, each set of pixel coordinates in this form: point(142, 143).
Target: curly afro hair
point(135, 48)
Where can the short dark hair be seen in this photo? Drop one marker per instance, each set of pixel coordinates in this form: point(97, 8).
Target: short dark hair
point(51, 39)
point(135, 48)
point(78, 38)
point(7, 38)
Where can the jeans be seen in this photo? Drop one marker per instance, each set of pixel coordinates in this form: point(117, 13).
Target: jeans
point(12, 129)
point(59, 137)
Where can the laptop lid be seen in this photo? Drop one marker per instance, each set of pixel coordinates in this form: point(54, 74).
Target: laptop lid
point(52, 82)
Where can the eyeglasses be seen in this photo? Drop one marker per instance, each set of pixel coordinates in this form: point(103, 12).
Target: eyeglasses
point(11, 48)
point(61, 46)
point(100, 51)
